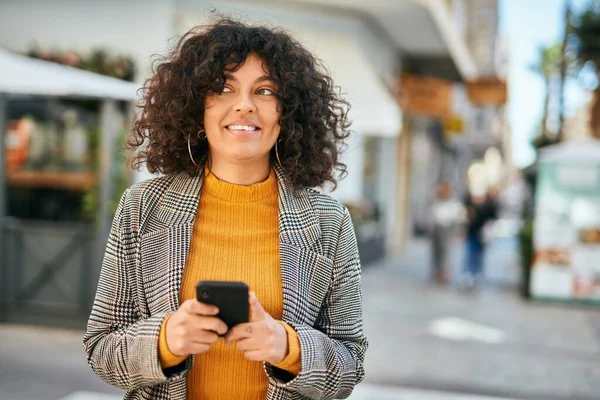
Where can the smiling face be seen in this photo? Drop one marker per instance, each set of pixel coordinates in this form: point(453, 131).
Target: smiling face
point(242, 122)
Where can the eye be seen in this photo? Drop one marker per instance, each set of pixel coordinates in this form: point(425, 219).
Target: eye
point(265, 92)
point(226, 89)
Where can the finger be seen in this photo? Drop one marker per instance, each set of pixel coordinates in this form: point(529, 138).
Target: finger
point(204, 337)
point(198, 348)
point(210, 324)
point(255, 355)
point(247, 344)
point(196, 323)
point(193, 306)
point(240, 331)
point(257, 312)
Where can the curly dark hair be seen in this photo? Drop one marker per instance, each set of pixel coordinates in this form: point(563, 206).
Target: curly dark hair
point(313, 115)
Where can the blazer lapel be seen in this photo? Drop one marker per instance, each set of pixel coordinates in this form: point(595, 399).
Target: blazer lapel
point(299, 248)
point(178, 212)
point(298, 223)
point(180, 201)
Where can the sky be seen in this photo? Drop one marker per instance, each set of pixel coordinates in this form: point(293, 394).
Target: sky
point(528, 25)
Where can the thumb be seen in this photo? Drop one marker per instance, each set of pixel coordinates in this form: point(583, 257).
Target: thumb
point(257, 312)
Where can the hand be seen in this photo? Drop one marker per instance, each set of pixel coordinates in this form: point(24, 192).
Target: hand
point(193, 328)
point(261, 339)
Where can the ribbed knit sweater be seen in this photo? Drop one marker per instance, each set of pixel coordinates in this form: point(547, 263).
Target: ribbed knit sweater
point(235, 238)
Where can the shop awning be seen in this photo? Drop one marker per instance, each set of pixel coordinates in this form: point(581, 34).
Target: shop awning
point(24, 75)
point(21, 75)
point(374, 111)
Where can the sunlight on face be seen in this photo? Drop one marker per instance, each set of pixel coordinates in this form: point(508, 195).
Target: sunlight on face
point(242, 122)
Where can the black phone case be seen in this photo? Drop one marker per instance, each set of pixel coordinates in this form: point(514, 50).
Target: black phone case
point(230, 297)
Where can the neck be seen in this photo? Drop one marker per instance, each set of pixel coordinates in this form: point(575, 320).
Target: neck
point(242, 172)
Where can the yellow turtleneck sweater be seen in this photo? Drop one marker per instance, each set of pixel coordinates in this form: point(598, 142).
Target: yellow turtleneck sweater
point(235, 238)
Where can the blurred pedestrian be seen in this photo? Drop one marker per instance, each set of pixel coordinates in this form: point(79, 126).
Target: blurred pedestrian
point(481, 208)
point(447, 213)
point(242, 122)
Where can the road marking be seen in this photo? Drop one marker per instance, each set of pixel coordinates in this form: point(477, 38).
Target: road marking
point(92, 396)
point(366, 391)
point(454, 328)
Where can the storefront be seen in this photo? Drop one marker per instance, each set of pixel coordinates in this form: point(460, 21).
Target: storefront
point(61, 172)
point(566, 263)
point(366, 46)
point(369, 190)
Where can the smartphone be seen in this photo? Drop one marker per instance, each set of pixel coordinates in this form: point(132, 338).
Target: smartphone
point(230, 297)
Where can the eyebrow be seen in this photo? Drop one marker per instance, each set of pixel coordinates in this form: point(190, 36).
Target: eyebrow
point(263, 78)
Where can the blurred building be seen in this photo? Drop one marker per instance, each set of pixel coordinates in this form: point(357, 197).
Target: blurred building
point(473, 129)
point(410, 68)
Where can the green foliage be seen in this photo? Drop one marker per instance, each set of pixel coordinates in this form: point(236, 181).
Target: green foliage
point(526, 253)
point(102, 62)
point(119, 175)
point(90, 198)
point(544, 140)
point(99, 61)
point(549, 61)
point(548, 66)
point(585, 40)
point(584, 36)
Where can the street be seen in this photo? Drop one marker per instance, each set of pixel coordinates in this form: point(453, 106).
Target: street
point(205, 136)
point(426, 342)
point(488, 341)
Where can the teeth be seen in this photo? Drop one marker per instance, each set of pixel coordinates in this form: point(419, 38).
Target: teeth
point(242, 128)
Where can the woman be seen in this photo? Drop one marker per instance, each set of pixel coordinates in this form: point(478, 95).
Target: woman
point(447, 214)
point(242, 122)
point(481, 209)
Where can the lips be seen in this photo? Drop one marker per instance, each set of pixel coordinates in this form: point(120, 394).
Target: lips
point(247, 128)
point(242, 127)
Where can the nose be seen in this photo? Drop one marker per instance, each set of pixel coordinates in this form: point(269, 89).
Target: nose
point(244, 103)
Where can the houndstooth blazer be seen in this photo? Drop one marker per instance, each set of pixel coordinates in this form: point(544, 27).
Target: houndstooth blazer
point(141, 276)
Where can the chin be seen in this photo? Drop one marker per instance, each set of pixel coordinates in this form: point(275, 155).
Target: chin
point(245, 156)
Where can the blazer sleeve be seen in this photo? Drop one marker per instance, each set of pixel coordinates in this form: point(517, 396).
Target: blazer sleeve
point(121, 346)
point(332, 351)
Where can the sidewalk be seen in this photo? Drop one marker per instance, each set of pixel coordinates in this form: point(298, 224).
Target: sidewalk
point(362, 392)
point(426, 342)
point(48, 364)
point(487, 342)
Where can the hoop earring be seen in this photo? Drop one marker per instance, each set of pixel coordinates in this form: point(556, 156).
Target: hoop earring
point(277, 155)
point(190, 151)
point(201, 131)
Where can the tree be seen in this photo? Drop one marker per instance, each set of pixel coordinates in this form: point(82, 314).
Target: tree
point(585, 42)
point(548, 66)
